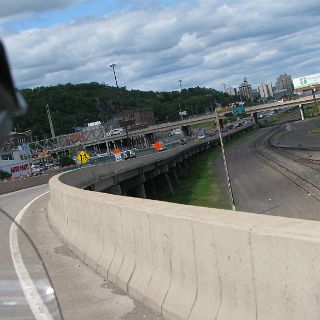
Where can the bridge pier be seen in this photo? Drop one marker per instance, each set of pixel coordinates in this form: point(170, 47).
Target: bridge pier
point(116, 189)
point(186, 131)
point(255, 119)
point(301, 111)
point(175, 175)
point(140, 191)
point(167, 177)
point(108, 148)
point(153, 189)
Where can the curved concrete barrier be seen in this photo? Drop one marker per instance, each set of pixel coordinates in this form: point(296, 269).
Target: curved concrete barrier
point(189, 262)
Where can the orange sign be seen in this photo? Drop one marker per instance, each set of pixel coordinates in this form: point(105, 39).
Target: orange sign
point(158, 145)
point(116, 151)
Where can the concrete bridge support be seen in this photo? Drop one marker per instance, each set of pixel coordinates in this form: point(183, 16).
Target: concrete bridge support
point(108, 148)
point(175, 175)
point(140, 191)
point(153, 189)
point(148, 140)
point(186, 131)
point(255, 119)
point(302, 112)
point(116, 189)
point(168, 180)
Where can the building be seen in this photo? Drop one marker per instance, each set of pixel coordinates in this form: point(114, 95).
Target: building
point(16, 139)
point(265, 90)
point(284, 82)
point(279, 94)
point(231, 91)
point(255, 95)
point(245, 90)
point(134, 118)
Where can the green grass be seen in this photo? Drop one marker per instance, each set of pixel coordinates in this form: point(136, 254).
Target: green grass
point(310, 112)
point(199, 184)
point(274, 119)
point(315, 131)
point(204, 125)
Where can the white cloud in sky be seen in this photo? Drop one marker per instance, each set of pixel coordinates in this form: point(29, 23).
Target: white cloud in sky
point(17, 7)
point(205, 43)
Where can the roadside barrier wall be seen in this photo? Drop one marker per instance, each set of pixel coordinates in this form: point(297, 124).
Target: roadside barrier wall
point(189, 262)
point(23, 183)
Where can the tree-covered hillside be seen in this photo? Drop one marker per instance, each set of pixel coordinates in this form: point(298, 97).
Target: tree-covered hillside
point(74, 105)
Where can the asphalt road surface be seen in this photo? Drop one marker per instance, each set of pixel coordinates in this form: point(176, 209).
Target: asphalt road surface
point(259, 188)
point(83, 294)
point(13, 304)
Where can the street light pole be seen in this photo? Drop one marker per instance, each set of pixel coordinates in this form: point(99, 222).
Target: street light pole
point(180, 99)
point(53, 135)
point(114, 73)
point(113, 65)
point(225, 162)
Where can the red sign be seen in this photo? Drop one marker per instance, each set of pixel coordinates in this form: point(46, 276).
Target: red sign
point(16, 169)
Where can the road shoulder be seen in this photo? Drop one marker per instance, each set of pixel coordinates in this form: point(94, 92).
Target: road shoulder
point(83, 294)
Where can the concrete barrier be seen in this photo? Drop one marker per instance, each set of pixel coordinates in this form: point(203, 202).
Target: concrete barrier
point(189, 262)
point(24, 183)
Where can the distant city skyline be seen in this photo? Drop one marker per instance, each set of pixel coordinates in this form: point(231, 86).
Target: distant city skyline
point(280, 87)
point(155, 43)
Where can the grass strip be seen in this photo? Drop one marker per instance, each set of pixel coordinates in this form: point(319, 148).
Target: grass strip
point(315, 131)
point(199, 184)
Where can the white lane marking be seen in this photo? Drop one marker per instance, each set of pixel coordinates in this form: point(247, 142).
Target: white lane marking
point(37, 306)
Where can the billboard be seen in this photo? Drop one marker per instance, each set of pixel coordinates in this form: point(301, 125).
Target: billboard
point(306, 81)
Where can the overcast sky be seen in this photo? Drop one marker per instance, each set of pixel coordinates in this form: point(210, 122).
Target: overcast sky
point(157, 42)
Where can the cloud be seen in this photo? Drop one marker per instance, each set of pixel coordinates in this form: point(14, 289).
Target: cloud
point(10, 8)
point(205, 43)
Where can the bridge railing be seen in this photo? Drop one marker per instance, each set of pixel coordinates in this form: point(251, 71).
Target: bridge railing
point(188, 262)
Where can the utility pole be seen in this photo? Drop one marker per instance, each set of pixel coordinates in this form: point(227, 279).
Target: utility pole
point(113, 65)
point(225, 162)
point(53, 135)
point(315, 101)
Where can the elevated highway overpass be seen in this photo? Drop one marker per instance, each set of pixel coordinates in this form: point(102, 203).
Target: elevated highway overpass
point(299, 102)
point(186, 262)
point(144, 137)
point(141, 137)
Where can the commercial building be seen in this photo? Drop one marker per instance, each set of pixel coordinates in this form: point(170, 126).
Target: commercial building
point(16, 139)
point(231, 91)
point(245, 90)
point(265, 90)
point(284, 82)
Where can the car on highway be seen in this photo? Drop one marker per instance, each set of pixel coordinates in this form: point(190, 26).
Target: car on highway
point(183, 141)
point(37, 170)
point(128, 154)
point(201, 134)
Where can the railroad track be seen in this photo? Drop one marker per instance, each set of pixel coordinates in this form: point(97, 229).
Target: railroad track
point(311, 163)
point(268, 154)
